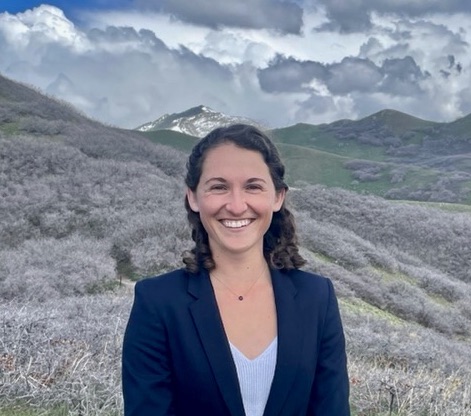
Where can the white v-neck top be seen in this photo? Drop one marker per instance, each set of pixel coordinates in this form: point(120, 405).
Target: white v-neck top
point(255, 377)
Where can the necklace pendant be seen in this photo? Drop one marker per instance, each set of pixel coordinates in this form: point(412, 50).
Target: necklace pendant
point(241, 297)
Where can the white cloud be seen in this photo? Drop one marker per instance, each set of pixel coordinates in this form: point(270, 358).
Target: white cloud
point(127, 68)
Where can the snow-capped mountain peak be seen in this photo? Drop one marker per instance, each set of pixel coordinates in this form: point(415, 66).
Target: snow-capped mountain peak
point(197, 121)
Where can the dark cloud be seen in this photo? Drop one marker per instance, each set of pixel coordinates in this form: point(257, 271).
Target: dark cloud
point(444, 74)
point(355, 16)
point(345, 17)
point(353, 74)
point(399, 77)
point(315, 106)
point(126, 35)
point(289, 75)
point(283, 16)
point(451, 61)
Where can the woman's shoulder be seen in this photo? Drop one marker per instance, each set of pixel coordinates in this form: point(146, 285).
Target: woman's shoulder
point(163, 278)
point(166, 283)
point(312, 288)
point(307, 278)
point(309, 283)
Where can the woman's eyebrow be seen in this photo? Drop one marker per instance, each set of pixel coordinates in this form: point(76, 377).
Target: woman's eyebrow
point(219, 179)
point(215, 179)
point(251, 180)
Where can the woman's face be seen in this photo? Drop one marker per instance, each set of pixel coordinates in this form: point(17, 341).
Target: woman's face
point(235, 198)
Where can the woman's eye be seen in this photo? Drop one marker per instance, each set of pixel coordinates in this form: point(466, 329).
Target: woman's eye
point(254, 187)
point(218, 187)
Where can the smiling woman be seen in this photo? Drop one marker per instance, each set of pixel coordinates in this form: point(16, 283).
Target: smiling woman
point(235, 200)
point(217, 338)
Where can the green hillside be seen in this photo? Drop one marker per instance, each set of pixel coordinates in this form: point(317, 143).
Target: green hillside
point(317, 167)
point(315, 137)
point(461, 127)
point(319, 161)
point(180, 141)
point(395, 121)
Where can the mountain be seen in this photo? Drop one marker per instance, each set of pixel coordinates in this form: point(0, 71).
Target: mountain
point(85, 208)
point(395, 122)
point(389, 153)
point(197, 121)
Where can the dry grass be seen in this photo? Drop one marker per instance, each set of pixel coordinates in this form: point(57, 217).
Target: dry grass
point(379, 390)
point(63, 358)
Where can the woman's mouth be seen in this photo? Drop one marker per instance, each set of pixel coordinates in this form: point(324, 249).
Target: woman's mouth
point(236, 223)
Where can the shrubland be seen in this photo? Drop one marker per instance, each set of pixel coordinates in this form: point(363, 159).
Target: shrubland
point(85, 209)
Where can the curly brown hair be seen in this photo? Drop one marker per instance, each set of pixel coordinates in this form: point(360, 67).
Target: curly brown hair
point(280, 243)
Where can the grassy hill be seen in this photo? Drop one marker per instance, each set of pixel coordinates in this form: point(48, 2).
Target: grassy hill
point(393, 121)
point(180, 141)
point(389, 154)
point(86, 208)
point(317, 137)
point(415, 159)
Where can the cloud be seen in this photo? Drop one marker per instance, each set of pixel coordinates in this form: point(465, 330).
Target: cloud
point(126, 74)
point(395, 76)
point(402, 77)
point(346, 16)
point(289, 75)
point(283, 16)
point(126, 77)
point(353, 74)
point(356, 15)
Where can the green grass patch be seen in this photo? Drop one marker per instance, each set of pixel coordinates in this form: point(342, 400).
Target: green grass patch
point(360, 307)
point(387, 276)
point(314, 137)
point(418, 177)
point(439, 299)
point(314, 166)
point(180, 141)
point(10, 128)
point(322, 258)
point(444, 206)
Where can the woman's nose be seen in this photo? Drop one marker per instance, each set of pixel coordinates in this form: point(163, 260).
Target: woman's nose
point(236, 203)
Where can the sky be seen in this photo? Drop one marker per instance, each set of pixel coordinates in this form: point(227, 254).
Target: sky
point(279, 62)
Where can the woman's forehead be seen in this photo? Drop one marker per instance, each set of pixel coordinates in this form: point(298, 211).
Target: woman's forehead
point(231, 163)
point(228, 157)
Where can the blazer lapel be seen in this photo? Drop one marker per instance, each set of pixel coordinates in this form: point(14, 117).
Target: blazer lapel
point(290, 340)
point(213, 338)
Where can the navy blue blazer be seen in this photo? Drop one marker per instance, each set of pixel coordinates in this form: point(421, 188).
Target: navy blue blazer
point(177, 359)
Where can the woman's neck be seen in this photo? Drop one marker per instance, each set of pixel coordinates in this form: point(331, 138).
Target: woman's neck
point(234, 268)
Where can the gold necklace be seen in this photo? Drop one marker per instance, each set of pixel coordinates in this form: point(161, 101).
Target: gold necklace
point(239, 296)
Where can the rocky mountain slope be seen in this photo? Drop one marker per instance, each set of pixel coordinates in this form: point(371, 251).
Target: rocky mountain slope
point(197, 121)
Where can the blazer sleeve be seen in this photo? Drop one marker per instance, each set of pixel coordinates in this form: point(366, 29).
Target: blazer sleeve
point(146, 369)
point(330, 391)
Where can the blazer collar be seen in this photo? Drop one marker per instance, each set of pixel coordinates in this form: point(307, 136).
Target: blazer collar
point(213, 338)
point(290, 340)
point(209, 325)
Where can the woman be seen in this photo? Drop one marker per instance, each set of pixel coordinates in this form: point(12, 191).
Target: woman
point(241, 330)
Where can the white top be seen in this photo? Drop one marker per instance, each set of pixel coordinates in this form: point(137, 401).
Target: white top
point(255, 377)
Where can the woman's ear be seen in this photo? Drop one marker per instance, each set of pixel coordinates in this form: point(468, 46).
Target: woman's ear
point(192, 202)
point(279, 199)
